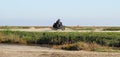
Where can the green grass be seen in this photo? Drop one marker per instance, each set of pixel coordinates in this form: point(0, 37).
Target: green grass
point(109, 39)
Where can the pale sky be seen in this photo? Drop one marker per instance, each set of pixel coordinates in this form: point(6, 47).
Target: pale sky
point(71, 12)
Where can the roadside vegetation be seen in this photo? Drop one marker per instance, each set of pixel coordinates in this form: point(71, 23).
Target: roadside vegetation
point(91, 41)
point(112, 29)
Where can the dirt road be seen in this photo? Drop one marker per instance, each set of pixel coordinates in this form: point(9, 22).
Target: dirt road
point(7, 50)
point(50, 30)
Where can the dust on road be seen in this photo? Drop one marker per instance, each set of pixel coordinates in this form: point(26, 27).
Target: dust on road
point(10, 50)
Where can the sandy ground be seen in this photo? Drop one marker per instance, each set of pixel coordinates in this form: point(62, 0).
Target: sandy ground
point(8, 50)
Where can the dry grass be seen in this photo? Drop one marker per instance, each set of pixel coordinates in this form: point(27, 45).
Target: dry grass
point(11, 39)
point(78, 46)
